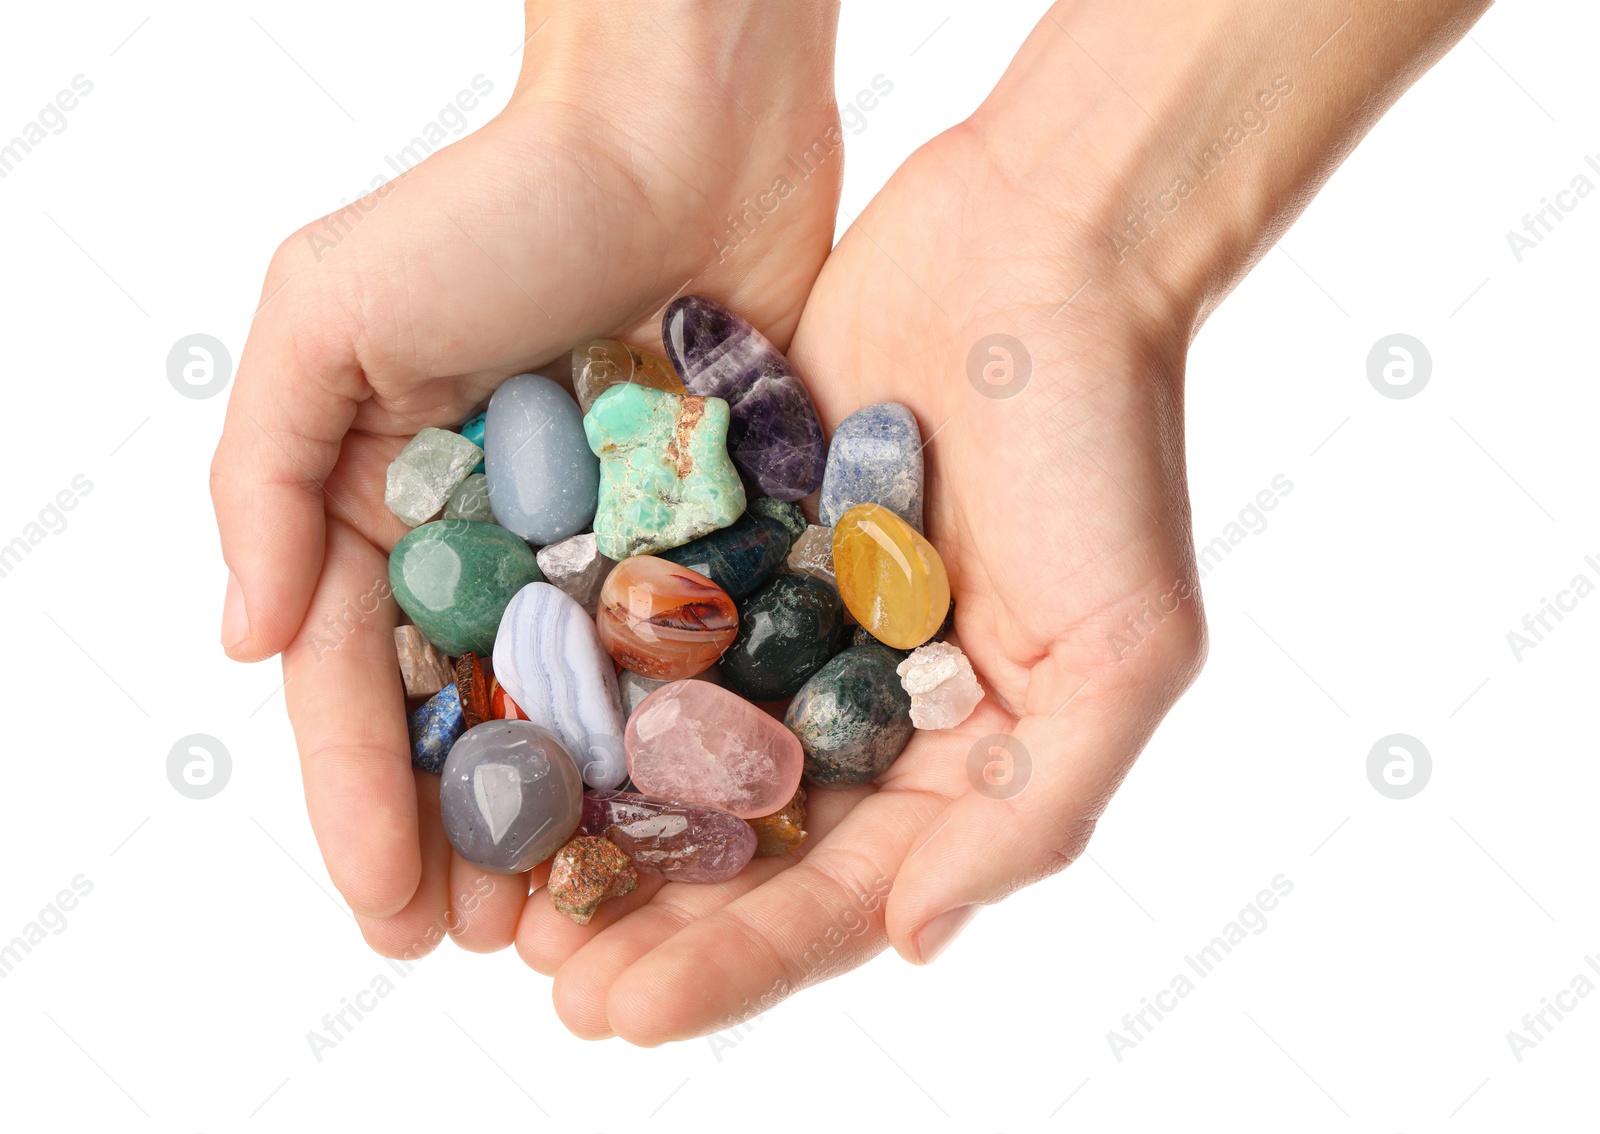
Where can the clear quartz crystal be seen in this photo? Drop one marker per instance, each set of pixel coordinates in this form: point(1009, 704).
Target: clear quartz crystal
point(943, 688)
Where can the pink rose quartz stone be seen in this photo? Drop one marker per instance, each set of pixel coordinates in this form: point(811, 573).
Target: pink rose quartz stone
point(699, 743)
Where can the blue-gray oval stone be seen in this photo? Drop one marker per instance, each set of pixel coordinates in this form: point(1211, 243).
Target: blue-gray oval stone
point(544, 482)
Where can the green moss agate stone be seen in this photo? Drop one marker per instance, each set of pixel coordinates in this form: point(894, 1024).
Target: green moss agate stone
point(665, 476)
point(787, 630)
point(786, 512)
point(852, 718)
point(455, 577)
point(738, 558)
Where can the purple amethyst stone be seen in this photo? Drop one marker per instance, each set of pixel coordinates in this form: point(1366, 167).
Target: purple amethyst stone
point(681, 842)
point(775, 437)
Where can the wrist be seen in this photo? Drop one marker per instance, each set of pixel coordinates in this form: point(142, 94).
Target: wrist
point(1180, 161)
point(758, 59)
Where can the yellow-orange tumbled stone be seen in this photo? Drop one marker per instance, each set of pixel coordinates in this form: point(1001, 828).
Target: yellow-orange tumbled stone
point(890, 578)
point(600, 364)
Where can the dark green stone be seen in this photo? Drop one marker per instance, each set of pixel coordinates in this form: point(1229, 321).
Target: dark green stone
point(787, 631)
point(739, 557)
point(455, 577)
point(786, 512)
point(852, 717)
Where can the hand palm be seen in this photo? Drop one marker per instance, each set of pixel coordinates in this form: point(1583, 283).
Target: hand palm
point(497, 254)
point(1056, 510)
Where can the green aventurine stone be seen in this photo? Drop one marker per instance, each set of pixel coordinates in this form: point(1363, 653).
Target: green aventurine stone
point(455, 577)
point(787, 630)
point(665, 476)
point(852, 717)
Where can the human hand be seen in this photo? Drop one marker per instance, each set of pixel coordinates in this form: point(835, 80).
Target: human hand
point(602, 190)
point(1061, 511)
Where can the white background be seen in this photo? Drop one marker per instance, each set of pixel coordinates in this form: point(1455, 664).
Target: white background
point(1417, 534)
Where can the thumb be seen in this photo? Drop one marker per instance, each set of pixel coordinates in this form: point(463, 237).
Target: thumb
point(1034, 797)
point(295, 396)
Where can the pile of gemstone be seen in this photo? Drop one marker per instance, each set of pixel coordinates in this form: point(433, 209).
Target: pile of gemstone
point(627, 646)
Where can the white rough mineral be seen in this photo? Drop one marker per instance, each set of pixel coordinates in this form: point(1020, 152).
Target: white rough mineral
point(943, 688)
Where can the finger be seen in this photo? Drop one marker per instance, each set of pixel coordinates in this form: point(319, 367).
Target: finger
point(1056, 773)
point(484, 907)
point(295, 395)
point(416, 930)
point(546, 937)
point(585, 978)
point(822, 917)
point(342, 684)
point(355, 488)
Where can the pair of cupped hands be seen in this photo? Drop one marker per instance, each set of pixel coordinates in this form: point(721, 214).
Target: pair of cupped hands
point(602, 191)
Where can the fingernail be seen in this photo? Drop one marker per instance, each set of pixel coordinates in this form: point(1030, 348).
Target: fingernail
point(936, 936)
point(235, 622)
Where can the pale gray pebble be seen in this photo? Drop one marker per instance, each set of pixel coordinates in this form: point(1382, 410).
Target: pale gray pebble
point(424, 474)
point(577, 567)
point(635, 688)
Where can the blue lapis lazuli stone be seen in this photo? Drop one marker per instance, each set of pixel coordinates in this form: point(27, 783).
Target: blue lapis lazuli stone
point(435, 726)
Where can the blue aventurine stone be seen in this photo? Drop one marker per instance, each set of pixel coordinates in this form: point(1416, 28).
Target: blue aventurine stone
point(875, 458)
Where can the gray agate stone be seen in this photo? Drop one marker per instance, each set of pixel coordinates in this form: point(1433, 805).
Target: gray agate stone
point(509, 796)
point(544, 483)
point(875, 458)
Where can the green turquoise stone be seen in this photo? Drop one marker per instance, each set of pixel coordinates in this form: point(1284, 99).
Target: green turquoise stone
point(738, 558)
point(852, 717)
point(455, 577)
point(787, 631)
point(473, 431)
point(665, 476)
